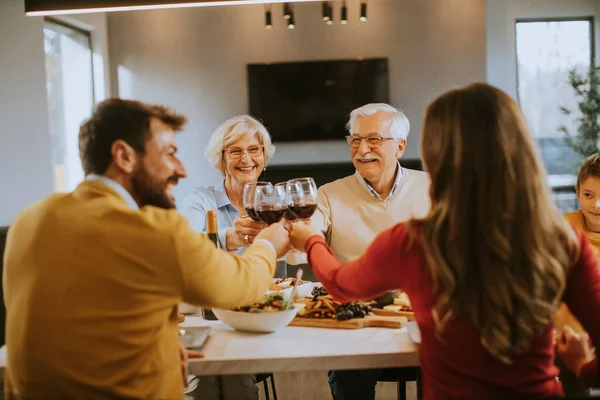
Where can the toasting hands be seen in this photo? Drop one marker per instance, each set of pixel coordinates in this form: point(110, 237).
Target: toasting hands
point(243, 232)
point(299, 234)
point(278, 236)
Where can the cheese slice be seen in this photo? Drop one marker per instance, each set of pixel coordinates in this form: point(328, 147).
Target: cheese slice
point(402, 301)
point(393, 308)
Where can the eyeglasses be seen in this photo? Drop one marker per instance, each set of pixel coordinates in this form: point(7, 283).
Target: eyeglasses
point(374, 142)
point(236, 152)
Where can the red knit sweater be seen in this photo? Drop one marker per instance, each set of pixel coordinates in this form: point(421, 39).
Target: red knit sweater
point(460, 367)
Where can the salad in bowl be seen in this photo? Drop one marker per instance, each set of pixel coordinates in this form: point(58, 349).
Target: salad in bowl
point(270, 314)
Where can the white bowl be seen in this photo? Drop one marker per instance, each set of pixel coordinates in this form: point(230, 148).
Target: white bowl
point(304, 290)
point(286, 293)
point(256, 322)
point(188, 309)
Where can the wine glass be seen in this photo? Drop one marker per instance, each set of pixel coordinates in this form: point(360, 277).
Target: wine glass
point(302, 197)
point(288, 214)
point(269, 203)
point(250, 189)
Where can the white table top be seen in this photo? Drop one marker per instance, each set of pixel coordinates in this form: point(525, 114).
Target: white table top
point(301, 349)
point(296, 349)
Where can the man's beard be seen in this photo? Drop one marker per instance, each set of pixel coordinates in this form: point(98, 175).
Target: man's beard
point(151, 192)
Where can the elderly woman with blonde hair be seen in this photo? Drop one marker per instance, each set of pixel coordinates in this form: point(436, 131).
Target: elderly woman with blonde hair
point(240, 149)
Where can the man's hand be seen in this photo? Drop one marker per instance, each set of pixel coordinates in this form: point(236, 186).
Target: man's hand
point(300, 234)
point(574, 349)
point(185, 355)
point(278, 236)
point(243, 228)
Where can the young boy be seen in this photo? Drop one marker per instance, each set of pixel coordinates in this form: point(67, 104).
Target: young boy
point(572, 340)
point(587, 218)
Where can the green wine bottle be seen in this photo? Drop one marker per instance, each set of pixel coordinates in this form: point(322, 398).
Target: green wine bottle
point(211, 232)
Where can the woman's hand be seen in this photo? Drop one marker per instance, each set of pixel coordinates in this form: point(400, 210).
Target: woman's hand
point(243, 232)
point(574, 349)
point(300, 233)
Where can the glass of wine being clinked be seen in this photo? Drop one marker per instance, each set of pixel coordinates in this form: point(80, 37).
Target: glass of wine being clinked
point(301, 197)
point(270, 203)
point(250, 190)
point(288, 214)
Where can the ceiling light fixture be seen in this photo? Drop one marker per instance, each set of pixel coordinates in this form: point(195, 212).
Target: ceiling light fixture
point(363, 10)
point(291, 24)
point(268, 17)
point(325, 7)
point(287, 11)
point(60, 7)
point(344, 17)
point(329, 13)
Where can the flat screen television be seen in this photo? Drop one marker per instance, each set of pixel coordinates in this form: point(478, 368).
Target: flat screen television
point(302, 101)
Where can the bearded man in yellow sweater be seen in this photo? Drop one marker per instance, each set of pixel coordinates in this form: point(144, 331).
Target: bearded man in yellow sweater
point(92, 278)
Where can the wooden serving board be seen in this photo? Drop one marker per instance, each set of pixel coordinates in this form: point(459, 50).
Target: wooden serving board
point(370, 321)
point(409, 315)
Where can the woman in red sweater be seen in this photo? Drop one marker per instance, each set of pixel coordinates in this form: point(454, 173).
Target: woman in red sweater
point(489, 265)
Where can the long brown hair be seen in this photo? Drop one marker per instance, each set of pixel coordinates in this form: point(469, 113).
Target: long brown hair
point(497, 247)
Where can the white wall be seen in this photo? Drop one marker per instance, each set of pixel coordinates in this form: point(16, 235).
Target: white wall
point(195, 61)
point(25, 167)
point(501, 16)
point(25, 163)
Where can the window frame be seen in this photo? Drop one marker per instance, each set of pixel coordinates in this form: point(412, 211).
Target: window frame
point(562, 189)
point(88, 35)
point(86, 40)
point(589, 19)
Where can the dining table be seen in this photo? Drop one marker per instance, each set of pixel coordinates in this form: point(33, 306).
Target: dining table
point(293, 348)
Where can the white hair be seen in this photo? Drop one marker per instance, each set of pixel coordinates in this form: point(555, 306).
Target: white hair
point(399, 124)
point(230, 131)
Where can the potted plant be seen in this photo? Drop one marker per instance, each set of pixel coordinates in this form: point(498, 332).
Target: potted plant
point(584, 141)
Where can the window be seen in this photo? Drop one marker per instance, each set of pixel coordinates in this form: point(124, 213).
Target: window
point(70, 92)
point(546, 51)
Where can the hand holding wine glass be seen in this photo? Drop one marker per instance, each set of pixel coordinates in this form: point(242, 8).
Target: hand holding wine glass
point(300, 234)
point(278, 236)
point(245, 229)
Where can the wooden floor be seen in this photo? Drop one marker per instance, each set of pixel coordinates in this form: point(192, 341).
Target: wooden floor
point(313, 386)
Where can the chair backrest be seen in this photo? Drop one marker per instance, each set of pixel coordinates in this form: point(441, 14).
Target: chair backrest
point(3, 233)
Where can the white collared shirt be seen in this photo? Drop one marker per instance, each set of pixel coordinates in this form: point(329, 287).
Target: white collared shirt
point(363, 182)
point(116, 187)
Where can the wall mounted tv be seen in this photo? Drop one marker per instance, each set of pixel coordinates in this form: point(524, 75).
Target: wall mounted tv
point(304, 101)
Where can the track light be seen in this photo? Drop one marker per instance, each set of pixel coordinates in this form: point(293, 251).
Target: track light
point(363, 11)
point(287, 10)
point(291, 24)
point(344, 18)
point(268, 17)
point(329, 13)
point(325, 7)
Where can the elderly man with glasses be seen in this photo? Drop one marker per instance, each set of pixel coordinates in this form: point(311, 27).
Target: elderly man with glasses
point(353, 210)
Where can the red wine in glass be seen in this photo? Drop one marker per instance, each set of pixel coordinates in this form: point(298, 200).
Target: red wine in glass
point(252, 214)
point(303, 211)
point(289, 214)
point(270, 215)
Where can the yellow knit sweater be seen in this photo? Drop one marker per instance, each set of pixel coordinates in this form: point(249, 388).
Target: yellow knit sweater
point(564, 316)
point(91, 289)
